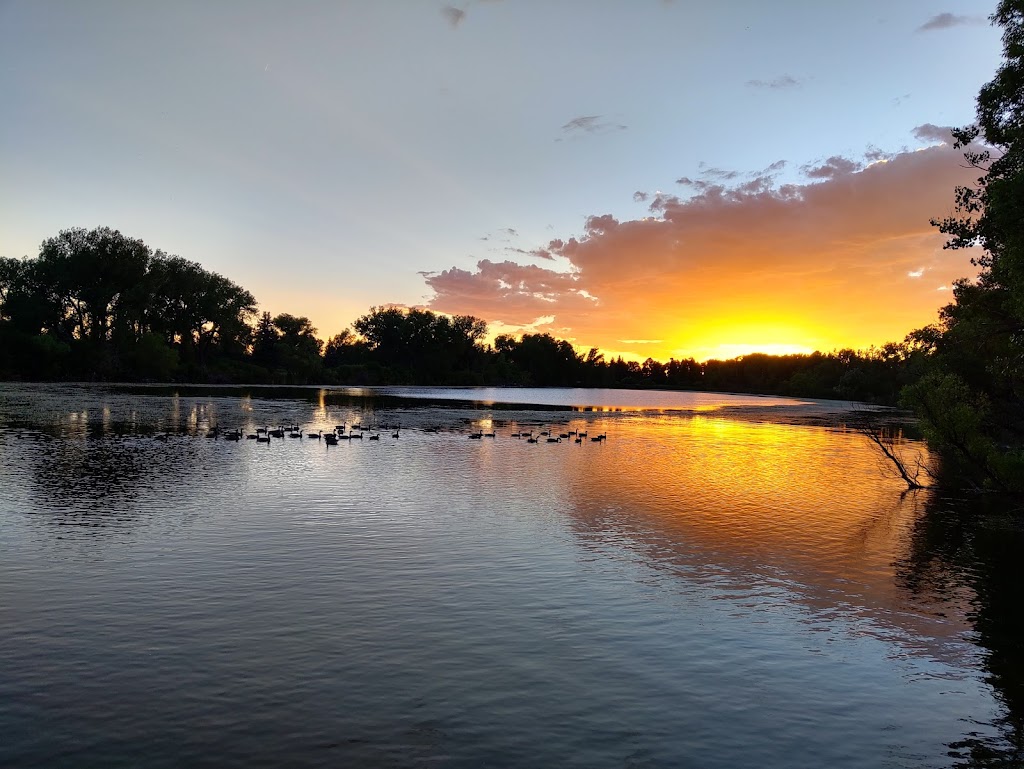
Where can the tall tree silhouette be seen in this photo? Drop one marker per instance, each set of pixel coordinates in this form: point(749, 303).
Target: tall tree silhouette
point(972, 403)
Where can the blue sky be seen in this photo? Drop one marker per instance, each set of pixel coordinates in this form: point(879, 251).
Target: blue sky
point(326, 154)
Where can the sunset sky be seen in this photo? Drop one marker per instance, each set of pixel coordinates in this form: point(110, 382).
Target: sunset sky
point(658, 178)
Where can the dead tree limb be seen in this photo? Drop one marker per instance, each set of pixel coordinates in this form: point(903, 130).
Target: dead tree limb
point(886, 443)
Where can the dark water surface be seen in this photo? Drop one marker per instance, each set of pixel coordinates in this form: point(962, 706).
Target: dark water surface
point(723, 582)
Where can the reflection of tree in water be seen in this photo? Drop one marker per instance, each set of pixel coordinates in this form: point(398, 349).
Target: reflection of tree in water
point(977, 544)
point(104, 478)
point(88, 482)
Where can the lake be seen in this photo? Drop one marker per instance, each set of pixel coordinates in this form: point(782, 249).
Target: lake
point(724, 581)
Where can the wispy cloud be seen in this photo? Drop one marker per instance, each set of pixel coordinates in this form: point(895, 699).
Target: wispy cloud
point(539, 253)
point(718, 173)
point(873, 154)
point(778, 83)
point(712, 178)
point(934, 134)
point(831, 168)
point(591, 124)
point(454, 15)
point(948, 20)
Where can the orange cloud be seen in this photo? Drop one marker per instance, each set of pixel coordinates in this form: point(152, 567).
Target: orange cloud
point(820, 265)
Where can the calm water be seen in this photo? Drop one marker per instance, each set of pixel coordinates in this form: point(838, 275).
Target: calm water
point(725, 582)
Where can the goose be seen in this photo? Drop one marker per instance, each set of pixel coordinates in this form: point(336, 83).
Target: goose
point(263, 439)
point(252, 436)
point(488, 435)
point(331, 439)
point(395, 433)
point(554, 440)
point(476, 436)
point(315, 436)
point(234, 435)
point(277, 432)
point(375, 437)
point(531, 439)
point(356, 435)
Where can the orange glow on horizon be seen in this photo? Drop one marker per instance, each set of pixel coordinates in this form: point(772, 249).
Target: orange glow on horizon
point(848, 262)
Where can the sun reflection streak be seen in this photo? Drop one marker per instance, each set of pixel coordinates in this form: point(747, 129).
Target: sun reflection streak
point(737, 505)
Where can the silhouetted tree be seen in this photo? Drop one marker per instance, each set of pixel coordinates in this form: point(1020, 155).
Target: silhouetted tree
point(298, 349)
point(422, 346)
point(198, 309)
point(90, 272)
point(545, 361)
point(972, 401)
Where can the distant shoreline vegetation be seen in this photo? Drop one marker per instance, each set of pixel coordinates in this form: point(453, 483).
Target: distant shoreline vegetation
point(97, 305)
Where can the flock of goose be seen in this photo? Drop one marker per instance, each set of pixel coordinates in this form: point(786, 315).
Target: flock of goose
point(547, 436)
point(346, 432)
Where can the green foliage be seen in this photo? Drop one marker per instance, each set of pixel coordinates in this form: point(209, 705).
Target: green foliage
point(972, 403)
point(544, 360)
point(117, 309)
point(953, 420)
point(297, 349)
point(90, 276)
point(420, 346)
point(197, 309)
point(345, 349)
point(152, 358)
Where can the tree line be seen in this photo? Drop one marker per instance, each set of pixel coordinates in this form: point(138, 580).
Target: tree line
point(100, 305)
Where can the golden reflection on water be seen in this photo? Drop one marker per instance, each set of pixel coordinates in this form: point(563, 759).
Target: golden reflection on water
point(743, 502)
point(320, 412)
